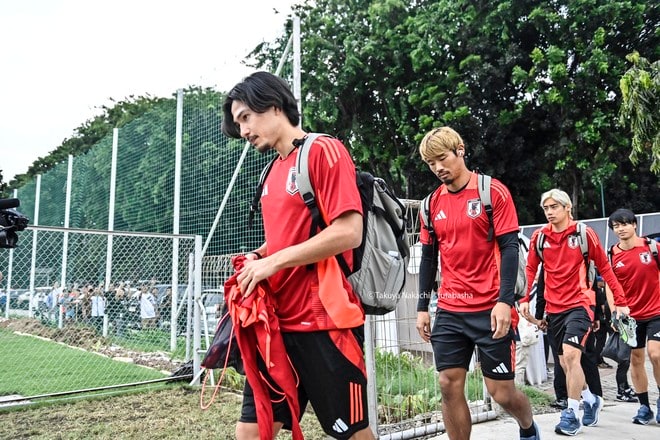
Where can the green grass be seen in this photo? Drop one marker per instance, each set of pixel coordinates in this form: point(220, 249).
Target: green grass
point(31, 366)
point(151, 340)
point(536, 396)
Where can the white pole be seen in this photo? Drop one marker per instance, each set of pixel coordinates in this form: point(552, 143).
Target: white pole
point(176, 210)
point(65, 244)
point(239, 165)
point(198, 294)
point(370, 365)
point(111, 207)
point(33, 262)
point(9, 271)
point(111, 219)
point(296, 64)
point(188, 297)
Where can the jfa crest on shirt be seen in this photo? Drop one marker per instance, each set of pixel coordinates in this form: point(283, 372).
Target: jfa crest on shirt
point(291, 186)
point(645, 257)
point(573, 241)
point(474, 208)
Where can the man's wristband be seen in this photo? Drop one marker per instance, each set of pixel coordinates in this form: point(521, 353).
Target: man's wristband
point(259, 257)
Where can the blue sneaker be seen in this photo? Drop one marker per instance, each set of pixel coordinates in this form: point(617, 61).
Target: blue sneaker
point(536, 436)
point(568, 423)
point(591, 412)
point(644, 415)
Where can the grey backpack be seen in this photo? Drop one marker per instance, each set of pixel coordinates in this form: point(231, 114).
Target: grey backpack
point(380, 262)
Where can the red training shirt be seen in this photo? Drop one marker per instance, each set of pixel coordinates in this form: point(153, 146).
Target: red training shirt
point(320, 298)
point(469, 262)
point(565, 273)
point(637, 271)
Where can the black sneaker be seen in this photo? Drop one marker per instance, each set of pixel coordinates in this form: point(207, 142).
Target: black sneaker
point(560, 403)
point(626, 396)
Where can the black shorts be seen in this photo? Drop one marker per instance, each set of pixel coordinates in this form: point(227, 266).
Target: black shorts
point(571, 327)
point(455, 335)
point(648, 329)
point(332, 382)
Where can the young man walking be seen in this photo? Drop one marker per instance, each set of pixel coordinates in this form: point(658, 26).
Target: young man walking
point(319, 314)
point(636, 268)
point(570, 300)
point(477, 291)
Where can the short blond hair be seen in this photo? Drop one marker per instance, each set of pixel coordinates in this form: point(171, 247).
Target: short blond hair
point(439, 141)
point(557, 195)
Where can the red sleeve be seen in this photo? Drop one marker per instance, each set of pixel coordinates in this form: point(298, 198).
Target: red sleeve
point(505, 218)
point(332, 173)
point(597, 254)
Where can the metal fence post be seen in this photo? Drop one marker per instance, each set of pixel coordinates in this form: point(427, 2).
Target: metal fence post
point(370, 362)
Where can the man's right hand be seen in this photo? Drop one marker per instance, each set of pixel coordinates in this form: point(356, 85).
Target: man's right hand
point(523, 308)
point(424, 325)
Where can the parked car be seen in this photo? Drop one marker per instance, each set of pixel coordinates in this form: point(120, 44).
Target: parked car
point(39, 296)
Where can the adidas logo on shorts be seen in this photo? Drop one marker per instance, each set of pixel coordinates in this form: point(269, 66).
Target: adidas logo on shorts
point(501, 368)
point(340, 426)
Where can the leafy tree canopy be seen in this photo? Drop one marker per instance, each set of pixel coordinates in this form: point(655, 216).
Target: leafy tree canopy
point(533, 87)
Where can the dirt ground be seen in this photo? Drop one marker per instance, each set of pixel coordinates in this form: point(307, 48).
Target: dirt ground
point(173, 412)
point(167, 414)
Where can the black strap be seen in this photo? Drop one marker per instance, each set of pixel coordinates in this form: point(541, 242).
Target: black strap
point(255, 206)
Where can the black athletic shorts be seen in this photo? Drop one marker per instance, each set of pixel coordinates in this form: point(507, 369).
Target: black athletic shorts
point(455, 335)
point(571, 327)
point(329, 380)
point(648, 329)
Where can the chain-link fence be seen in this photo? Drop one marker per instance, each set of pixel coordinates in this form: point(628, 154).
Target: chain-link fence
point(112, 302)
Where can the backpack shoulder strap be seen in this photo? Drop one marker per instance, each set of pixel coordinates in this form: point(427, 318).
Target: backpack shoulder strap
point(610, 253)
point(483, 185)
point(653, 247)
point(540, 242)
point(304, 183)
point(426, 215)
point(581, 231)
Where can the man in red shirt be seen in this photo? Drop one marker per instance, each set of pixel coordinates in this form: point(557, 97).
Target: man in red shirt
point(570, 300)
point(636, 268)
point(477, 289)
point(319, 314)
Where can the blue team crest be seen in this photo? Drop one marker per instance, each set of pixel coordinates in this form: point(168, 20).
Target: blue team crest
point(645, 257)
point(291, 186)
point(474, 208)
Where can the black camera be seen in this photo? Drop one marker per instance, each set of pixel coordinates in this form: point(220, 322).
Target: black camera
point(11, 221)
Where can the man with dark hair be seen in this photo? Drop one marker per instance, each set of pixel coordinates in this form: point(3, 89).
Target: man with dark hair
point(319, 314)
point(477, 289)
point(636, 267)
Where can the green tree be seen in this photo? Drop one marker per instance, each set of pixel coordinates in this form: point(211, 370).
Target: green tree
point(532, 86)
point(640, 93)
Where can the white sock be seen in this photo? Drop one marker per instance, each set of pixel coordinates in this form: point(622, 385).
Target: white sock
point(574, 405)
point(588, 397)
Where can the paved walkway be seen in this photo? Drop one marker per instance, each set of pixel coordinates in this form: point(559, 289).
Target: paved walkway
point(615, 418)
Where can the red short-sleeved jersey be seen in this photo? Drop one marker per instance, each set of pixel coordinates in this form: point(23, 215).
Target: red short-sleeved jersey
point(639, 276)
point(320, 298)
point(469, 262)
point(565, 273)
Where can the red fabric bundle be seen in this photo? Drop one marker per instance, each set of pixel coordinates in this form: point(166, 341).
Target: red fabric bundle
point(257, 330)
